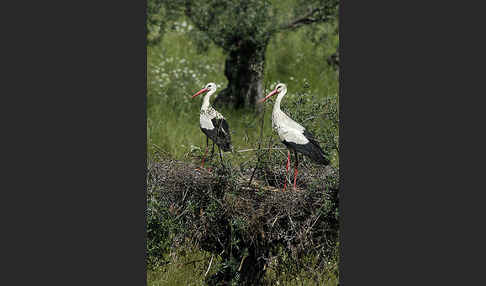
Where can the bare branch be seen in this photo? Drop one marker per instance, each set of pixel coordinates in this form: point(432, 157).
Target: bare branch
point(248, 150)
point(306, 19)
point(241, 263)
point(210, 262)
point(193, 261)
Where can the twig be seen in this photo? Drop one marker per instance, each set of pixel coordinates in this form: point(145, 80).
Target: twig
point(180, 215)
point(241, 263)
point(312, 117)
point(304, 20)
point(313, 224)
point(270, 141)
point(194, 261)
point(218, 201)
point(210, 262)
point(220, 243)
point(291, 222)
point(185, 194)
point(156, 147)
point(259, 143)
point(275, 220)
point(248, 150)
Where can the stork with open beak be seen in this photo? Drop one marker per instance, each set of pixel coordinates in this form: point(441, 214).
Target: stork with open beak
point(213, 124)
point(293, 135)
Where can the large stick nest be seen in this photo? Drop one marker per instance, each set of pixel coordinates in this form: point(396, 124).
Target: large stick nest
point(223, 213)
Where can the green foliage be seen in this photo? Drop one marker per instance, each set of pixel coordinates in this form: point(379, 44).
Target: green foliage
point(235, 24)
point(159, 13)
point(161, 227)
point(231, 23)
point(243, 30)
point(320, 116)
point(248, 230)
point(188, 265)
point(174, 74)
point(308, 274)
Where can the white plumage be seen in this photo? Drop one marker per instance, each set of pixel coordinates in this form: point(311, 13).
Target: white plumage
point(292, 134)
point(212, 123)
point(287, 129)
point(208, 113)
point(205, 122)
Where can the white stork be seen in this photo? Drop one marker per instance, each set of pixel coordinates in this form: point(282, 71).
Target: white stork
point(213, 124)
point(293, 135)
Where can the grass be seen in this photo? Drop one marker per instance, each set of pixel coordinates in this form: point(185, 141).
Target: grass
point(175, 73)
point(188, 266)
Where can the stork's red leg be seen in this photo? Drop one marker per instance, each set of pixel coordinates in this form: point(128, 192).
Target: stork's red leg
point(204, 157)
point(287, 167)
point(296, 168)
point(212, 152)
point(211, 158)
point(205, 152)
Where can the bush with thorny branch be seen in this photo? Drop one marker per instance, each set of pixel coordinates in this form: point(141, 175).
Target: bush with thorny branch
point(250, 226)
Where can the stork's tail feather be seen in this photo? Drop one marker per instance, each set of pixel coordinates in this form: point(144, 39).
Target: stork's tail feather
point(317, 155)
point(226, 147)
point(322, 160)
point(224, 144)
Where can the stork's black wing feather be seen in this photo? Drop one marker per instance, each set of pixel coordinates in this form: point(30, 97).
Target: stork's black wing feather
point(221, 124)
point(310, 137)
point(221, 135)
point(311, 149)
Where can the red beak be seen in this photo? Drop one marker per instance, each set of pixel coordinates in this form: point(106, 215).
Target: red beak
point(268, 96)
point(199, 92)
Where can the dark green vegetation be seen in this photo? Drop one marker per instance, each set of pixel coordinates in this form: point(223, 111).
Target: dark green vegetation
point(249, 228)
point(243, 29)
point(186, 223)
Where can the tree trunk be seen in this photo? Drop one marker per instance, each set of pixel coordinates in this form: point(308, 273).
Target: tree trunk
point(244, 71)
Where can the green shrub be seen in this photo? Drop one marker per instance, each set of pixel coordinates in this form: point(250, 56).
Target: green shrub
point(247, 226)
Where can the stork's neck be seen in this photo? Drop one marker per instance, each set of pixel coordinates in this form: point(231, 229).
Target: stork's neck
point(205, 104)
point(276, 106)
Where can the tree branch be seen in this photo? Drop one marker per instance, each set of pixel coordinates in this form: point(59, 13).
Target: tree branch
point(304, 20)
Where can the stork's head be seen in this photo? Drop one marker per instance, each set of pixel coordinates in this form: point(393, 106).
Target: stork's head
point(280, 88)
point(209, 87)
